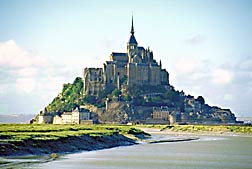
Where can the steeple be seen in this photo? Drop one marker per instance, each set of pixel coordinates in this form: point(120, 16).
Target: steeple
point(132, 27)
point(132, 40)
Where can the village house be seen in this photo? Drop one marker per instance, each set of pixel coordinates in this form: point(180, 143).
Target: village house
point(45, 119)
point(164, 115)
point(77, 116)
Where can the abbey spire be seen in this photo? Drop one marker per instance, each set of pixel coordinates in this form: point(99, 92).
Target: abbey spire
point(132, 27)
point(132, 43)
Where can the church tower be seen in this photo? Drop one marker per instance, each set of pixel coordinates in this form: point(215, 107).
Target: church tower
point(132, 43)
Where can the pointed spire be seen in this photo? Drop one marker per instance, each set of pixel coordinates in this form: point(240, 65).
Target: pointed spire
point(132, 27)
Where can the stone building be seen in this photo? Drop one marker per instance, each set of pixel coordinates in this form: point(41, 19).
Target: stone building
point(45, 119)
point(66, 118)
point(77, 116)
point(136, 66)
point(165, 115)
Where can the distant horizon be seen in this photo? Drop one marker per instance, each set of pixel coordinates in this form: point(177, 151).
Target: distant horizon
point(205, 47)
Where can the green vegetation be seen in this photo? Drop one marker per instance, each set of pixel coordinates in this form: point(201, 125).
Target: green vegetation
point(68, 99)
point(30, 139)
point(205, 128)
point(20, 132)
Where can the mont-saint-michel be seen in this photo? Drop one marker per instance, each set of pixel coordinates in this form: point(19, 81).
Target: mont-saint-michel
point(130, 88)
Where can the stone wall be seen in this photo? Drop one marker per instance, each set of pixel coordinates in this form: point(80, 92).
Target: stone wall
point(93, 80)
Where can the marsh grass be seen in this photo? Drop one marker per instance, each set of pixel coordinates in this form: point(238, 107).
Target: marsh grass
point(20, 132)
point(211, 128)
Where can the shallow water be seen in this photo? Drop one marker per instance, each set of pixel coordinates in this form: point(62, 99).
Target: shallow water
point(207, 152)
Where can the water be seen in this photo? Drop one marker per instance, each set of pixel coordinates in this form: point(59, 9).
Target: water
point(230, 152)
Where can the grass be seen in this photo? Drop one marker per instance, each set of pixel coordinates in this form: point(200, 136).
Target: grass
point(210, 128)
point(20, 132)
point(202, 128)
point(155, 126)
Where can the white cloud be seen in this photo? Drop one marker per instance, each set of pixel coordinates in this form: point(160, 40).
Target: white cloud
point(27, 72)
point(3, 89)
point(228, 97)
point(197, 39)
point(14, 56)
point(222, 76)
point(185, 64)
point(246, 64)
point(52, 83)
point(25, 84)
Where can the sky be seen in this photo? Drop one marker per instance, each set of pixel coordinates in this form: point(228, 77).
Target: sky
point(206, 46)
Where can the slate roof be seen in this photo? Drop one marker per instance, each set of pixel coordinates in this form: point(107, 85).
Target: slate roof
point(140, 48)
point(132, 39)
point(118, 54)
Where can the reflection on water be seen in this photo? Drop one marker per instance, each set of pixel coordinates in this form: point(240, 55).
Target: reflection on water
point(208, 152)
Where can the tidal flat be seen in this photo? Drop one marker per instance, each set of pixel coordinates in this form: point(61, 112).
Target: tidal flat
point(199, 151)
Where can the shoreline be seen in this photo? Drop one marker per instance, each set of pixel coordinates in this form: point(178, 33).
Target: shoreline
point(196, 133)
point(43, 151)
point(66, 145)
point(86, 142)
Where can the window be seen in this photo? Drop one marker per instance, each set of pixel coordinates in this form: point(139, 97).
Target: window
point(131, 47)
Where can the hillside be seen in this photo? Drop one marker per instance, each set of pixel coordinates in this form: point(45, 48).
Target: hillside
point(135, 104)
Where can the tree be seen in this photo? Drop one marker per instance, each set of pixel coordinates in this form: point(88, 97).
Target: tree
point(201, 100)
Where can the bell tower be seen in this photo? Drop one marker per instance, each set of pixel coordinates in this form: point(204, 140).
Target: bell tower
point(132, 43)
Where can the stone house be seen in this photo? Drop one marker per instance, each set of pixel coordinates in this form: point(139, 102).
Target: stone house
point(165, 115)
point(45, 119)
point(77, 116)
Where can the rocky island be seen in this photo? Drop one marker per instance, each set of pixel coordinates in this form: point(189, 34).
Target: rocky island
point(132, 87)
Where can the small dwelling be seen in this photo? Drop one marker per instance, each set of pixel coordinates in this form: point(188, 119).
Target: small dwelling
point(67, 118)
point(57, 120)
point(45, 119)
point(164, 115)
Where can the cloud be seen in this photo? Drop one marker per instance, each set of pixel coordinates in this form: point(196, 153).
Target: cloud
point(245, 64)
point(14, 56)
point(195, 40)
point(29, 79)
point(185, 64)
point(27, 72)
point(221, 84)
point(222, 76)
point(26, 84)
point(228, 96)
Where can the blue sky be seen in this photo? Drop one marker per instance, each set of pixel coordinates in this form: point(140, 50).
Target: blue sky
point(205, 46)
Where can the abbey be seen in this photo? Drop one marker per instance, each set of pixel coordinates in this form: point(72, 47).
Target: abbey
point(135, 67)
